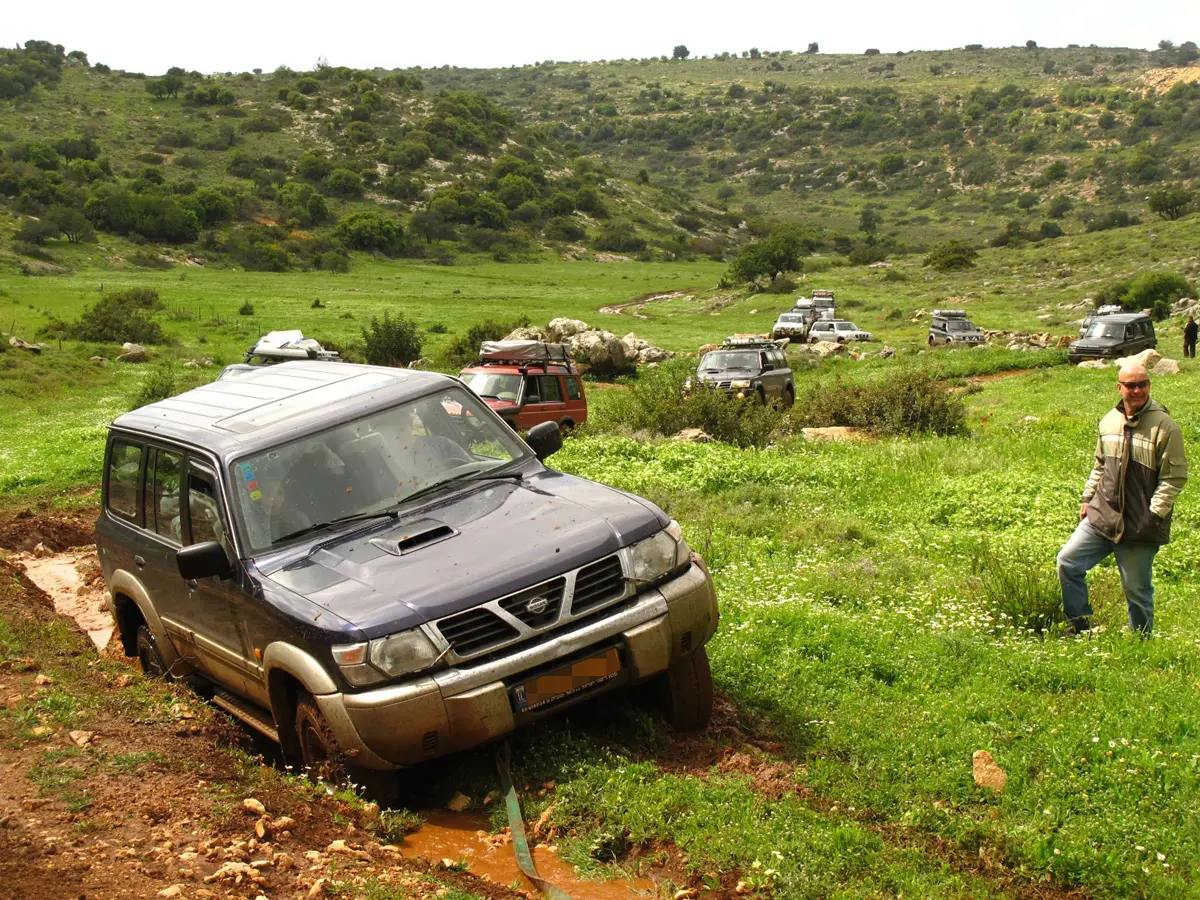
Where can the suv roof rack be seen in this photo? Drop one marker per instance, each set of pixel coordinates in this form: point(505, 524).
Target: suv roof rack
point(278, 345)
point(949, 313)
point(1109, 309)
point(524, 354)
point(823, 293)
point(754, 340)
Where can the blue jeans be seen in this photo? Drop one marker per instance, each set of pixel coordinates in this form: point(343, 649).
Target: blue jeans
point(1085, 549)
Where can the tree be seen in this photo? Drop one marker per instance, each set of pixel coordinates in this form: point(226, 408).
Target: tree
point(755, 53)
point(313, 166)
point(1156, 291)
point(431, 225)
point(680, 52)
point(813, 48)
point(371, 231)
point(392, 342)
point(1171, 202)
point(72, 224)
point(868, 221)
point(344, 183)
point(771, 256)
point(950, 255)
point(1031, 45)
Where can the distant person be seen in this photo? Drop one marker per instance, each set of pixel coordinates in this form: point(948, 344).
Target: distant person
point(1189, 338)
point(1127, 502)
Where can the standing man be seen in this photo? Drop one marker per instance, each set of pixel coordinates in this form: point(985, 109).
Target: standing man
point(1127, 501)
point(1189, 338)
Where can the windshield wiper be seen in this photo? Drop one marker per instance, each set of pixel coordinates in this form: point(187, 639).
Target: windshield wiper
point(340, 520)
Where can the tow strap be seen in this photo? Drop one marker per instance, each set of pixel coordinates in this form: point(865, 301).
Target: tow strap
point(517, 825)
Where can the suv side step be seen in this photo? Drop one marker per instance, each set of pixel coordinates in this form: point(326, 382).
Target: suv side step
point(254, 716)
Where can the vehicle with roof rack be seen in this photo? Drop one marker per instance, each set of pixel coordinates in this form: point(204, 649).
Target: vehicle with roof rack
point(1107, 309)
point(839, 331)
point(1114, 336)
point(823, 304)
point(952, 327)
point(276, 347)
point(528, 382)
point(367, 565)
point(748, 367)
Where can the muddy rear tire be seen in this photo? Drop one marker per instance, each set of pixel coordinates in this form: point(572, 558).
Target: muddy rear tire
point(686, 692)
point(149, 657)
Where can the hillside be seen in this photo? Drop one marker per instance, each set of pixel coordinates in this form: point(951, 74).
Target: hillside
point(664, 159)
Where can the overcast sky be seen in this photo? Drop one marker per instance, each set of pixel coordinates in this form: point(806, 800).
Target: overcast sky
point(227, 35)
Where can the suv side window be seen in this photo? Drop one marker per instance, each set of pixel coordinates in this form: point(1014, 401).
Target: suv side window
point(124, 474)
point(162, 495)
point(549, 389)
point(204, 509)
point(779, 359)
point(572, 387)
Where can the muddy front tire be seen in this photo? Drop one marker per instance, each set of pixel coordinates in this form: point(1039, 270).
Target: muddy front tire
point(322, 758)
point(686, 692)
point(149, 657)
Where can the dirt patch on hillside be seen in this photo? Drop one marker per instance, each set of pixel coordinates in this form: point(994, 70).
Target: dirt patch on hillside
point(56, 531)
point(1163, 79)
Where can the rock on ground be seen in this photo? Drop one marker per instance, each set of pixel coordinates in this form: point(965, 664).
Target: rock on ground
point(827, 348)
point(1165, 367)
point(1148, 358)
point(987, 773)
point(1094, 364)
point(833, 433)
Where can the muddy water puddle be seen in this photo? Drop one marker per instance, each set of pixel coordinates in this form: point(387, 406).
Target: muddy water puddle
point(467, 838)
point(58, 575)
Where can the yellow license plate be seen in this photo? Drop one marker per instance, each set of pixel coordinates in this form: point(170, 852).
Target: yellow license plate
point(567, 680)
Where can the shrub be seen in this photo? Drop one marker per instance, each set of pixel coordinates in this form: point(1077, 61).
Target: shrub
point(158, 385)
point(1019, 591)
point(658, 403)
point(619, 238)
point(1156, 291)
point(344, 183)
point(1116, 218)
point(118, 317)
point(1171, 202)
point(372, 231)
point(909, 401)
point(391, 342)
point(246, 309)
point(950, 255)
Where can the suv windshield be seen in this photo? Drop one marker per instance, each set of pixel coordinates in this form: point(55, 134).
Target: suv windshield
point(789, 317)
point(730, 359)
point(1105, 330)
point(959, 325)
point(492, 384)
point(368, 465)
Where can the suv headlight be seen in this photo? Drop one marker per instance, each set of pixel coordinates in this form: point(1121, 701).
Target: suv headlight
point(404, 652)
point(740, 383)
point(659, 555)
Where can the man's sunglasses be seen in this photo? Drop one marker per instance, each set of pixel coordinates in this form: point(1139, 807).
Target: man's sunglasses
point(1134, 385)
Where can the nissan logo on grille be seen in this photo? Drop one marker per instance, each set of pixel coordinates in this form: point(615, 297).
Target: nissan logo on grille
point(536, 605)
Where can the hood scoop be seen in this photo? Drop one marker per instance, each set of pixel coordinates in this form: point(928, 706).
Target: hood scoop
point(414, 536)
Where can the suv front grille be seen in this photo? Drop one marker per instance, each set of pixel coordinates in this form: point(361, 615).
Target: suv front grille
point(537, 606)
point(597, 584)
point(475, 630)
point(577, 595)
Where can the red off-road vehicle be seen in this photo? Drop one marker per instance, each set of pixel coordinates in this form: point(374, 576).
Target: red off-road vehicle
point(528, 382)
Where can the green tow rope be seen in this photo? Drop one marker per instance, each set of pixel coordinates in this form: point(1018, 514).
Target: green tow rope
point(517, 825)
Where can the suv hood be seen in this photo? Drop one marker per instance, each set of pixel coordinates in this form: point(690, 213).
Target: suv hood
point(506, 536)
point(1096, 344)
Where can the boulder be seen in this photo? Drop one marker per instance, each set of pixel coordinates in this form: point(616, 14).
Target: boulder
point(599, 348)
point(651, 356)
point(130, 347)
point(562, 328)
point(1094, 364)
point(532, 333)
point(1148, 358)
point(1165, 367)
point(827, 348)
point(886, 353)
point(833, 433)
point(692, 436)
point(987, 773)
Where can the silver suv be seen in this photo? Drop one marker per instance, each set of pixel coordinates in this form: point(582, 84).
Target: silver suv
point(838, 331)
point(951, 326)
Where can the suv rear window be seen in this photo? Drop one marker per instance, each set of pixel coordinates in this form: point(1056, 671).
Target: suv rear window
point(124, 471)
point(572, 387)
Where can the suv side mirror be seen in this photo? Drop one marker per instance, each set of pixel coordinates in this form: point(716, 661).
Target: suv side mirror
point(531, 398)
point(545, 439)
point(203, 560)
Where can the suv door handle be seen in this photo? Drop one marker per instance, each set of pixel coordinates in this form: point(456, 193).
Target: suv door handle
point(139, 562)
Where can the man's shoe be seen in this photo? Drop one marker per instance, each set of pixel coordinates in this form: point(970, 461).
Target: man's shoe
point(1077, 627)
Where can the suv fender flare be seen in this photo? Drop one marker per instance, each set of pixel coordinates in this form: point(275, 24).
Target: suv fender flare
point(290, 660)
point(126, 584)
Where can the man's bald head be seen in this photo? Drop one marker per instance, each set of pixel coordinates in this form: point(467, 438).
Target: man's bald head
point(1133, 382)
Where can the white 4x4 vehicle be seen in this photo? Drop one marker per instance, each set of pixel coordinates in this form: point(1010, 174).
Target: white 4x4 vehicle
point(838, 331)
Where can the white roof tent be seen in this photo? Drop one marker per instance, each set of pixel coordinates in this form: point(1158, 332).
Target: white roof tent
point(524, 353)
point(280, 345)
point(949, 313)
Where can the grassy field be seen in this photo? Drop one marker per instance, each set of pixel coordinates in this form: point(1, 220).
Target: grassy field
point(870, 641)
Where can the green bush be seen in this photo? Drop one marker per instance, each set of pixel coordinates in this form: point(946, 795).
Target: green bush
point(119, 317)
point(246, 309)
point(372, 231)
point(663, 402)
point(392, 342)
point(159, 385)
point(950, 255)
point(908, 401)
point(1156, 291)
point(1018, 591)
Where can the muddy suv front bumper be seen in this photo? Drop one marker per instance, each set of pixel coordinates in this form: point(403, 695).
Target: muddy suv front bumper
point(468, 705)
